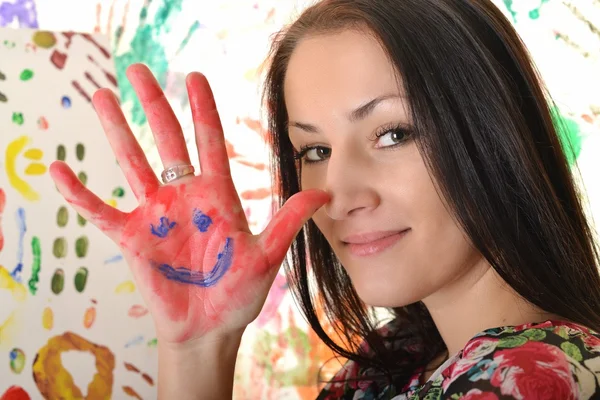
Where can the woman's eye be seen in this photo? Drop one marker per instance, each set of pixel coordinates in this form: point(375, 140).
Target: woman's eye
point(317, 154)
point(391, 138)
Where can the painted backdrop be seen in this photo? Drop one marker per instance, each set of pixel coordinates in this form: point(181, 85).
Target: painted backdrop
point(71, 321)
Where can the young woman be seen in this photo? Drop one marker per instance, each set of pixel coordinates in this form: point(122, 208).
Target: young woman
point(415, 140)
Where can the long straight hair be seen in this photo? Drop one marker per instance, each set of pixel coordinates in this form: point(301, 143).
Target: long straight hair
point(484, 125)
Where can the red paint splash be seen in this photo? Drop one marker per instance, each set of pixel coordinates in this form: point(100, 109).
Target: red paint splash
point(82, 92)
point(258, 166)
point(258, 194)
point(131, 392)
point(2, 203)
point(58, 59)
point(89, 38)
point(110, 77)
point(137, 311)
point(98, 12)
point(145, 376)
point(131, 367)
point(15, 393)
point(91, 79)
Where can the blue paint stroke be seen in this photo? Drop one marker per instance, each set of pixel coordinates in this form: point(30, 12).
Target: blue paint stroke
point(136, 340)
point(16, 273)
point(113, 259)
point(163, 229)
point(202, 221)
point(22, 10)
point(199, 278)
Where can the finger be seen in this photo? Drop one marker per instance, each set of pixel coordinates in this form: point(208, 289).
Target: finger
point(165, 127)
point(108, 219)
point(210, 140)
point(287, 222)
point(130, 155)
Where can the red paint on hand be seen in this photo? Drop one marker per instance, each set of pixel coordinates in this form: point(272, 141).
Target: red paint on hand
point(181, 311)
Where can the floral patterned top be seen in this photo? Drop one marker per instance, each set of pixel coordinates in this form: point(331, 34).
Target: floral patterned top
point(553, 360)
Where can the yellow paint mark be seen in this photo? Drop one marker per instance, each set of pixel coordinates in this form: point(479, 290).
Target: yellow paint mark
point(125, 287)
point(48, 318)
point(34, 154)
point(17, 290)
point(13, 149)
point(35, 169)
point(8, 327)
point(111, 202)
point(89, 317)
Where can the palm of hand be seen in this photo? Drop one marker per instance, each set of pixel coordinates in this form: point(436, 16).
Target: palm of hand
point(188, 244)
point(195, 247)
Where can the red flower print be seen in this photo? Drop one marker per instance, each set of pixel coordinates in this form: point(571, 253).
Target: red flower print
point(534, 371)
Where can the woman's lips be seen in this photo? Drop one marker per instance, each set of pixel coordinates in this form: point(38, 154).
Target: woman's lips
point(363, 248)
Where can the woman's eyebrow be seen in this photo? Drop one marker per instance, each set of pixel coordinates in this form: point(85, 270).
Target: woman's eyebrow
point(355, 115)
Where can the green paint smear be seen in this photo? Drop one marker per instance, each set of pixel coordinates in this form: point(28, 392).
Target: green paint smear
point(82, 177)
point(533, 14)
point(146, 47)
point(80, 151)
point(152, 343)
point(118, 192)
point(58, 281)
point(80, 220)
point(81, 246)
point(569, 134)
point(59, 249)
point(36, 267)
point(294, 339)
point(81, 279)
point(26, 75)
point(62, 216)
point(61, 153)
point(18, 118)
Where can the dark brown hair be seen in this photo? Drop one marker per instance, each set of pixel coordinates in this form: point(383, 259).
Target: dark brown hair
point(484, 126)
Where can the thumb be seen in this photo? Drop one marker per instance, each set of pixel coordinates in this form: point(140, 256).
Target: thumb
point(277, 237)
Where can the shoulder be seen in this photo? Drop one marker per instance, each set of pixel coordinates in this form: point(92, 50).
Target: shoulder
point(550, 360)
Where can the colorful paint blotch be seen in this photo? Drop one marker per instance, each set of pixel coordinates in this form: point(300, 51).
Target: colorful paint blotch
point(201, 278)
point(81, 277)
point(23, 11)
point(125, 287)
point(36, 265)
point(137, 311)
point(22, 227)
point(17, 360)
point(13, 150)
point(43, 39)
point(57, 283)
point(55, 381)
point(18, 118)
point(82, 244)
point(135, 341)
point(15, 393)
point(163, 228)
point(201, 220)
point(65, 101)
point(89, 317)
point(26, 74)
point(47, 318)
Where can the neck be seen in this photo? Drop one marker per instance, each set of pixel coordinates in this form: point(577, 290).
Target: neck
point(476, 301)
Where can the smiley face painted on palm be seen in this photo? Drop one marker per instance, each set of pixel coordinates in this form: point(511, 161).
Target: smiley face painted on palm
point(184, 274)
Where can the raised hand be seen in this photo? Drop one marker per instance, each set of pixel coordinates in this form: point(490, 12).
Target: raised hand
point(194, 259)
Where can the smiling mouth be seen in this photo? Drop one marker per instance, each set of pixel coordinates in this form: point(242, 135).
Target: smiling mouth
point(364, 248)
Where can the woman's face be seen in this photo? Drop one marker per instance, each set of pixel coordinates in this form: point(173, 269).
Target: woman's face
point(385, 222)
